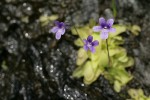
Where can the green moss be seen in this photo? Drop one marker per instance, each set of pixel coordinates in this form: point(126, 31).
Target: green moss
point(91, 66)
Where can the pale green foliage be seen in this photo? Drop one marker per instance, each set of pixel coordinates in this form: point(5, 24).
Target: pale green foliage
point(137, 94)
point(4, 66)
point(91, 66)
point(135, 29)
point(46, 19)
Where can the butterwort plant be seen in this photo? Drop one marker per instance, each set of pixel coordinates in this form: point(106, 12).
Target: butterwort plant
point(59, 29)
point(105, 27)
point(89, 44)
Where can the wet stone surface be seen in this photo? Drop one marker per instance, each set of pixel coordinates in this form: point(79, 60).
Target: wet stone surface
point(34, 66)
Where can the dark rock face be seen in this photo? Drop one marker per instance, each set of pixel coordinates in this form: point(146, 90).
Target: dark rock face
point(34, 66)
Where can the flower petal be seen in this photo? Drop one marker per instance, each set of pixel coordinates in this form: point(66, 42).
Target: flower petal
point(85, 41)
point(85, 47)
point(110, 22)
point(92, 49)
point(58, 36)
point(112, 30)
point(56, 23)
point(61, 31)
point(54, 29)
point(62, 24)
point(102, 21)
point(105, 31)
point(95, 43)
point(104, 35)
point(97, 28)
point(90, 38)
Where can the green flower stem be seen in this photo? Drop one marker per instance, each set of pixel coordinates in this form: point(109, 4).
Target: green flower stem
point(114, 8)
point(109, 62)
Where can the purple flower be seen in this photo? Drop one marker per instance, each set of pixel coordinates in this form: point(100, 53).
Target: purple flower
point(105, 27)
point(89, 45)
point(58, 29)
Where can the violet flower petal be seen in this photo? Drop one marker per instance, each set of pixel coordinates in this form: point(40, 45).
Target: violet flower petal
point(85, 47)
point(95, 43)
point(112, 30)
point(92, 49)
point(54, 29)
point(62, 24)
point(104, 35)
point(61, 31)
point(110, 22)
point(85, 41)
point(90, 38)
point(97, 28)
point(102, 21)
point(56, 23)
point(105, 31)
point(58, 36)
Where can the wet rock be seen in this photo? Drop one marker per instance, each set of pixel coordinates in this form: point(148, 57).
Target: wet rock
point(88, 9)
point(131, 9)
point(40, 67)
point(3, 27)
point(108, 13)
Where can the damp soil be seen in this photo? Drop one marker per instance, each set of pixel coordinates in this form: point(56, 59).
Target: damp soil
point(35, 66)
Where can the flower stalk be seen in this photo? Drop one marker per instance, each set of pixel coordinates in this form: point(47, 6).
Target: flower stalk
point(109, 61)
